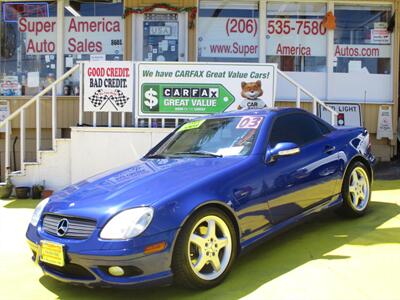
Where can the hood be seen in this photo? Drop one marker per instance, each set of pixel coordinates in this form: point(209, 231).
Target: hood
point(140, 184)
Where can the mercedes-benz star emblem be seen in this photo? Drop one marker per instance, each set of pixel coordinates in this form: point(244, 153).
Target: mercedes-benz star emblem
point(62, 227)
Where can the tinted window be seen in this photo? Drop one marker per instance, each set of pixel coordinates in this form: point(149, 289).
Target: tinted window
point(296, 128)
point(325, 129)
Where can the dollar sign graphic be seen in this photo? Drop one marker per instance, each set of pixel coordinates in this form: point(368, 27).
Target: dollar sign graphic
point(152, 100)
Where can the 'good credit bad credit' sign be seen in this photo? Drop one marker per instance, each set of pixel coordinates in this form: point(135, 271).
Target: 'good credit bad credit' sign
point(83, 35)
point(108, 86)
point(193, 89)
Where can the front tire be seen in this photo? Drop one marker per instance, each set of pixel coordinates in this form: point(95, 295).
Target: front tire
point(205, 249)
point(356, 191)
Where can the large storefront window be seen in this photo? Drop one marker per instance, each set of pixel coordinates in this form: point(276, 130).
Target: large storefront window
point(93, 31)
point(27, 64)
point(228, 31)
point(296, 37)
point(362, 42)
point(362, 54)
point(296, 40)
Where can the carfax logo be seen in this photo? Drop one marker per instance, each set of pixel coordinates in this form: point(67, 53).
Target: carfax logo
point(185, 98)
point(151, 94)
point(191, 92)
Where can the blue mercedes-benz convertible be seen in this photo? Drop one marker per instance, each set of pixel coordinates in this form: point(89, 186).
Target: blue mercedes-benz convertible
point(209, 190)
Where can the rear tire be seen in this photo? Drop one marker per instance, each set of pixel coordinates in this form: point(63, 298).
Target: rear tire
point(205, 249)
point(356, 191)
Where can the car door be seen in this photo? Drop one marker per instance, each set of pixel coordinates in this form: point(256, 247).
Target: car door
point(301, 181)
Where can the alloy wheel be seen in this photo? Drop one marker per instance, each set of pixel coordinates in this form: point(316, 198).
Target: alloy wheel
point(359, 188)
point(210, 247)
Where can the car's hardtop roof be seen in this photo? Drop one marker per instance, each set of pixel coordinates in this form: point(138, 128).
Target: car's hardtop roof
point(254, 112)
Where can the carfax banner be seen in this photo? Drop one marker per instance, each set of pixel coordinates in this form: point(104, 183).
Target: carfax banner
point(195, 89)
point(108, 86)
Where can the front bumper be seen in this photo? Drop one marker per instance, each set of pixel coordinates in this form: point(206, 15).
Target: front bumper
point(90, 268)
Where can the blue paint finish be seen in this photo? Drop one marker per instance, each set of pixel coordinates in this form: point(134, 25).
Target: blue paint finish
point(298, 182)
point(262, 196)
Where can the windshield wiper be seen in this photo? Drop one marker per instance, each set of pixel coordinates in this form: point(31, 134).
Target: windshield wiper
point(155, 156)
point(200, 153)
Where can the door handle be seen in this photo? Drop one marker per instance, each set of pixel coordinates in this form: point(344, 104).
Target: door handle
point(329, 149)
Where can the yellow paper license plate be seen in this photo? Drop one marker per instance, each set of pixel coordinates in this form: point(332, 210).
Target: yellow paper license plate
point(52, 253)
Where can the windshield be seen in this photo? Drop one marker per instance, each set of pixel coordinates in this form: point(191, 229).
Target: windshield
point(231, 136)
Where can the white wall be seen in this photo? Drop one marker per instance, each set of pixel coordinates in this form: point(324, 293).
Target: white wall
point(53, 168)
point(88, 152)
point(94, 150)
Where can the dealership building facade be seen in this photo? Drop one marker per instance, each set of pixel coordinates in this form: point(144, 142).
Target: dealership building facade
point(344, 52)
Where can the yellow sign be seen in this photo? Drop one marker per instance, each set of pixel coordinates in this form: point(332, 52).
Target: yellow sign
point(192, 125)
point(52, 253)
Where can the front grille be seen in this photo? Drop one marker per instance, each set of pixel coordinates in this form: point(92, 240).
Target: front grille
point(78, 228)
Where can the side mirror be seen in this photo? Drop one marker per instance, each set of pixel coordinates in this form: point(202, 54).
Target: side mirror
point(280, 150)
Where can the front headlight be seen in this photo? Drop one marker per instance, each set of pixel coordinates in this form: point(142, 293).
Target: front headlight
point(38, 211)
point(127, 224)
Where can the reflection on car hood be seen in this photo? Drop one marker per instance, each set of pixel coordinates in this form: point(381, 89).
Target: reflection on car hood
point(142, 183)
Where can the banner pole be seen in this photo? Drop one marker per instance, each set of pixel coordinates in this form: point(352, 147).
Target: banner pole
point(81, 87)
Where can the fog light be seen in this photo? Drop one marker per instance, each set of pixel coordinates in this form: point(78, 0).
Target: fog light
point(116, 271)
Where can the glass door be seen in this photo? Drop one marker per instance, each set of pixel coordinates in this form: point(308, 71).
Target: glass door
point(160, 36)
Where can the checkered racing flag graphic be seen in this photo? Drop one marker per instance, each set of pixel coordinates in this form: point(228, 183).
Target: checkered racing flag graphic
point(120, 99)
point(98, 98)
point(116, 98)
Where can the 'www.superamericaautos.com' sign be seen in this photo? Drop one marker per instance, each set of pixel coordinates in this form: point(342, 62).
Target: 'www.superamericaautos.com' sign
point(193, 89)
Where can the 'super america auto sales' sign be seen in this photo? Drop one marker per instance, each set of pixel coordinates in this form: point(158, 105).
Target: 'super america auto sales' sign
point(83, 35)
point(193, 89)
point(108, 86)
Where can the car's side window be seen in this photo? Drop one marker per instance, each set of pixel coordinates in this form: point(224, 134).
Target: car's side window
point(323, 127)
point(296, 128)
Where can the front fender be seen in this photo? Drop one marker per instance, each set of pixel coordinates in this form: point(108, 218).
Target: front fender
point(174, 214)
